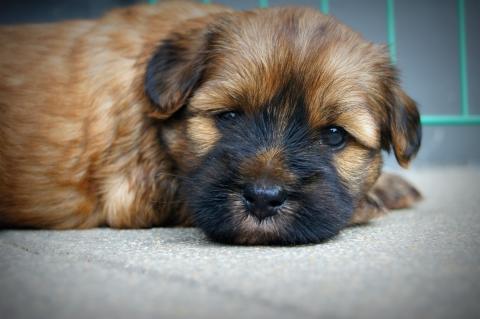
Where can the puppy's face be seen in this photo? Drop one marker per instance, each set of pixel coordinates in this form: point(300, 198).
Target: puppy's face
point(276, 120)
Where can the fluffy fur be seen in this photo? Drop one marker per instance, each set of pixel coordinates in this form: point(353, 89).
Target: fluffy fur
point(164, 115)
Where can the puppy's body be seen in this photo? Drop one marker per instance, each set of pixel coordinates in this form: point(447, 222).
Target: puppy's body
point(78, 149)
point(114, 121)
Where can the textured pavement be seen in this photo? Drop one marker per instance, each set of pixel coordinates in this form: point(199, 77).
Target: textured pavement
point(418, 263)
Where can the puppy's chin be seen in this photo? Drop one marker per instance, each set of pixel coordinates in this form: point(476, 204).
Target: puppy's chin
point(294, 223)
point(250, 230)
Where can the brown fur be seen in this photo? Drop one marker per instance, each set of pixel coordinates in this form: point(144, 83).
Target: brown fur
point(77, 147)
point(79, 136)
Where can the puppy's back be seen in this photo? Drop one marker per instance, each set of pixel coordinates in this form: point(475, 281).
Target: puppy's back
point(72, 117)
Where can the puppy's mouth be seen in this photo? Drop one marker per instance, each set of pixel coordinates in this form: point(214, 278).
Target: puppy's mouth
point(260, 224)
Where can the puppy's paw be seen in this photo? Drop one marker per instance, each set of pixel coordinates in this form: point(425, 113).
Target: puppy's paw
point(389, 192)
point(395, 192)
point(369, 208)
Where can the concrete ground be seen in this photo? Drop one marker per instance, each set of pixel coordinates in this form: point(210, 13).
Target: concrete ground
point(418, 263)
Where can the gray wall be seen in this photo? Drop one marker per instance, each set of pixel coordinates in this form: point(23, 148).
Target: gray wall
point(427, 45)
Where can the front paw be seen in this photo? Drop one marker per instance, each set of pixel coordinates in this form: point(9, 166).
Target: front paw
point(389, 192)
point(395, 192)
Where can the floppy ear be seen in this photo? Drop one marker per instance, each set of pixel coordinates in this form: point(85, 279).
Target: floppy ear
point(175, 69)
point(405, 130)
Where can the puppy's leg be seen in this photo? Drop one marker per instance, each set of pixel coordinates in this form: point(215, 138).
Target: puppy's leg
point(389, 192)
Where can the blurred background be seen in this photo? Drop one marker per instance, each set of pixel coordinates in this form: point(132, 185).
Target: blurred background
point(436, 45)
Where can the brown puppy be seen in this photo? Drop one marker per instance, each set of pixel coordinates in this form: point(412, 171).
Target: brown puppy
point(260, 127)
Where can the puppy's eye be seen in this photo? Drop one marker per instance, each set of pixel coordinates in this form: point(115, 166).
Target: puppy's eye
point(334, 136)
point(228, 116)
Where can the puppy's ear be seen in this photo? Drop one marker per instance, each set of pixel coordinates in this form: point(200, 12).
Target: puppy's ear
point(405, 130)
point(175, 69)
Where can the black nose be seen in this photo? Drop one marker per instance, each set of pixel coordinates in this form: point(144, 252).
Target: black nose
point(262, 200)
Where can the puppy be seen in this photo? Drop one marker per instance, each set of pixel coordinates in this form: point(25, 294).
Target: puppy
point(259, 127)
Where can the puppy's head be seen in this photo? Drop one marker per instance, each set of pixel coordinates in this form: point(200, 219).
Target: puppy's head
point(276, 119)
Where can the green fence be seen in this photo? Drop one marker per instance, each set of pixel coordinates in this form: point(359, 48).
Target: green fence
point(463, 117)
